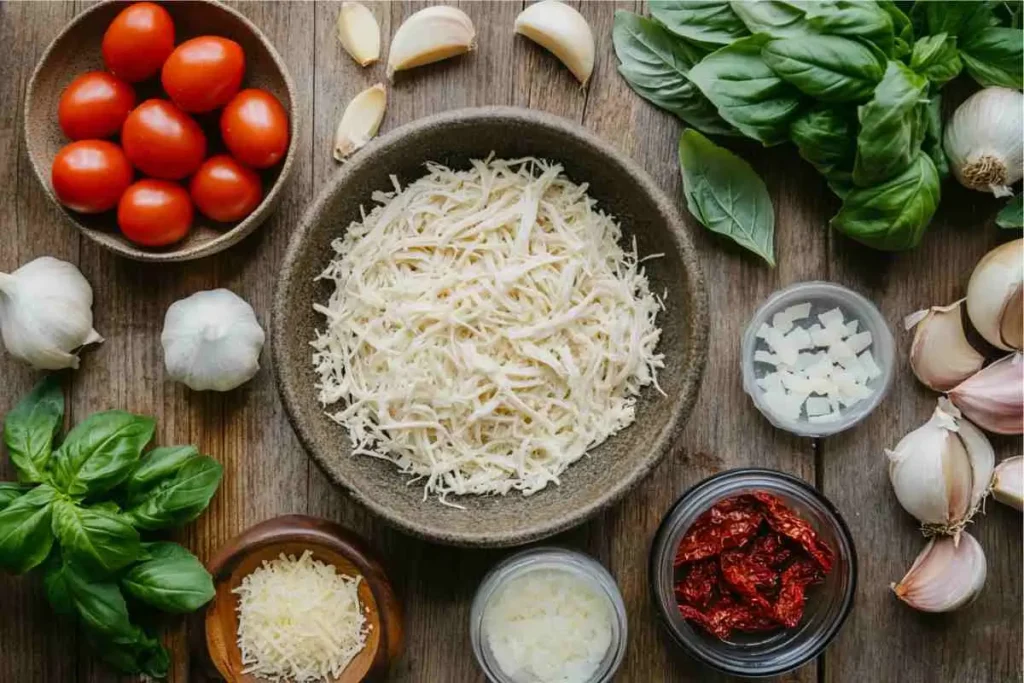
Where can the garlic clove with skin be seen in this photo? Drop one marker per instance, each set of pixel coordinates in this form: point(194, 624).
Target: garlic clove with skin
point(46, 313)
point(1008, 482)
point(984, 143)
point(940, 355)
point(995, 296)
point(562, 31)
point(430, 35)
point(360, 121)
point(358, 32)
point(993, 397)
point(211, 340)
point(946, 576)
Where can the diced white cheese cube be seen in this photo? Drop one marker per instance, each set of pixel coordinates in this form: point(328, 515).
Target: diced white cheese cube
point(860, 341)
point(798, 312)
point(871, 369)
point(822, 368)
point(766, 357)
point(817, 406)
point(796, 383)
point(806, 360)
point(771, 383)
point(851, 327)
point(831, 318)
point(783, 346)
point(782, 322)
point(840, 351)
point(799, 338)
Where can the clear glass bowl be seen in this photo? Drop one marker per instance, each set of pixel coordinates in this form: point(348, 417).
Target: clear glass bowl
point(584, 567)
point(822, 296)
point(828, 604)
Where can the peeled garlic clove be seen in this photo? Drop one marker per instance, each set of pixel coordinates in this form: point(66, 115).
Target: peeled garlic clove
point(430, 35)
point(947, 575)
point(995, 296)
point(563, 31)
point(360, 121)
point(993, 397)
point(359, 32)
point(1008, 482)
point(940, 355)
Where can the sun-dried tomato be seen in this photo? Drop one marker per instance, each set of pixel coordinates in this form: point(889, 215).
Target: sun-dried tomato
point(742, 567)
point(786, 522)
point(721, 621)
point(789, 607)
point(770, 549)
point(697, 588)
point(730, 523)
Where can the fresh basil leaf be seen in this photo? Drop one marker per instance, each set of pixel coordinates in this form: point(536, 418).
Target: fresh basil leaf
point(936, 58)
point(100, 452)
point(179, 499)
point(143, 655)
point(828, 68)
point(747, 93)
point(892, 216)
point(100, 606)
point(25, 535)
point(31, 427)
point(862, 20)
point(155, 466)
point(956, 18)
point(655, 64)
point(55, 583)
point(995, 56)
point(10, 491)
point(97, 541)
point(1012, 215)
point(889, 126)
point(173, 580)
point(705, 22)
point(726, 195)
point(932, 145)
point(774, 18)
point(826, 137)
point(903, 30)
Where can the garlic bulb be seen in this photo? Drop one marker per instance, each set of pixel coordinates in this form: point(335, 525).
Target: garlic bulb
point(940, 356)
point(984, 140)
point(211, 340)
point(940, 472)
point(995, 296)
point(563, 32)
point(46, 313)
point(1008, 482)
point(947, 575)
point(993, 397)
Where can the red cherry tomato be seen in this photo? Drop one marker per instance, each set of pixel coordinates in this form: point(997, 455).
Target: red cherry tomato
point(138, 41)
point(163, 141)
point(89, 176)
point(204, 73)
point(254, 126)
point(155, 213)
point(95, 105)
point(225, 190)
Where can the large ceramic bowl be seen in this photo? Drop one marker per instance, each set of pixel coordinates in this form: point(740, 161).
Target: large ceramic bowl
point(76, 50)
point(621, 188)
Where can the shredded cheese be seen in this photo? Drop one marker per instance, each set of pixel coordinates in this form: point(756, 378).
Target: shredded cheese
point(486, 329)
point(299, 620)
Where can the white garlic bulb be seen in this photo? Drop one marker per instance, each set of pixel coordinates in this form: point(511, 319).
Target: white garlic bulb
point(941, 471)
point(211, 340)
point(46, 313)
point(947, 575)
point(984, 140)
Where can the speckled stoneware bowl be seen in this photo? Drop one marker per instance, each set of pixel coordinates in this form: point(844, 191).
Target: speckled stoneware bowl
point(621, 188)
point(76, 50)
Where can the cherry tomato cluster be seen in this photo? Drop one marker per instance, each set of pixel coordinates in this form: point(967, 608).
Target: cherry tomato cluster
point(159, 137)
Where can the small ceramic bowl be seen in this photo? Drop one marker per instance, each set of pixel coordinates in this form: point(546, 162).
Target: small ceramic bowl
point(828, 604)
point(823, 296)
point(583, 568)
point(329, 543)
point(76, 50)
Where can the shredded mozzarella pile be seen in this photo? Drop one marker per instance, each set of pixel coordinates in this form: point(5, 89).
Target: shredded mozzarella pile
point(299, 620)
point(548, 626)
point(486, 328)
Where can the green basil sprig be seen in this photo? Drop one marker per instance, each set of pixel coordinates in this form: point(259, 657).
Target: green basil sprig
point(702, 22)
point(11, 491)
point(100, 452)
point(179, 498)
point(774, 18)
point(172, 579)
point(995, 56)
point(865, 21)
point(936, 58)
point(25, 530)
point(30, 429)
point(828, 68)
point(96, 540)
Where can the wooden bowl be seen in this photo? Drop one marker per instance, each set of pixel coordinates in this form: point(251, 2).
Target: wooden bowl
point(329, 543)
point(77, 50)
point(621, 188)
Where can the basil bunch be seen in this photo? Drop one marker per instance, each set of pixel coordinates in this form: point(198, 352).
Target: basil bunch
point(854, 84)
point(77, 511)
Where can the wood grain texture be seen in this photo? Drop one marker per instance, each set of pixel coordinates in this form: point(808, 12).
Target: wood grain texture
point(268, 474)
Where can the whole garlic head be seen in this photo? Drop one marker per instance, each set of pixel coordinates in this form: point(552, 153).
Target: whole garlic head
point(46, 313)
point(212, 341)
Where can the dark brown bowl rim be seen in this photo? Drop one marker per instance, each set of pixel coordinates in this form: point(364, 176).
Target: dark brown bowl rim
point(228, 238)
point(694, 347)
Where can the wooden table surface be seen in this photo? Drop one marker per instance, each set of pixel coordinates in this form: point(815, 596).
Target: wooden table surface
point(266, 472)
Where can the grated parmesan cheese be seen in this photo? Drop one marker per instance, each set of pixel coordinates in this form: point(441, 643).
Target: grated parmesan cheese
point(299, 620)
point(486, 329)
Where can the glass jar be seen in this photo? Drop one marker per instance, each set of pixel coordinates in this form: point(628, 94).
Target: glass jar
point(828, 604)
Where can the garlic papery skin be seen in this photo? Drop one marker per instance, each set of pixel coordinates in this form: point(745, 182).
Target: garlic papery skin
point(359, 33)
point(360, 121)
point(984, 140)
point(1008, 482)
point(941, 470)
point(995, 296)
point(212, 341)
point(940, 355)
point(993, 397)
point(562, 31)
point(946, 576)
point(430, 35)
point(46, 313)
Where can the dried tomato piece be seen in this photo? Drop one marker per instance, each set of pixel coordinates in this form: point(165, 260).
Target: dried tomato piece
point(730, 523)
point(743, 579)
point(770, 549)
point(786, 522)
point(722, 621)
point(789, 607)
point(698, 586)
